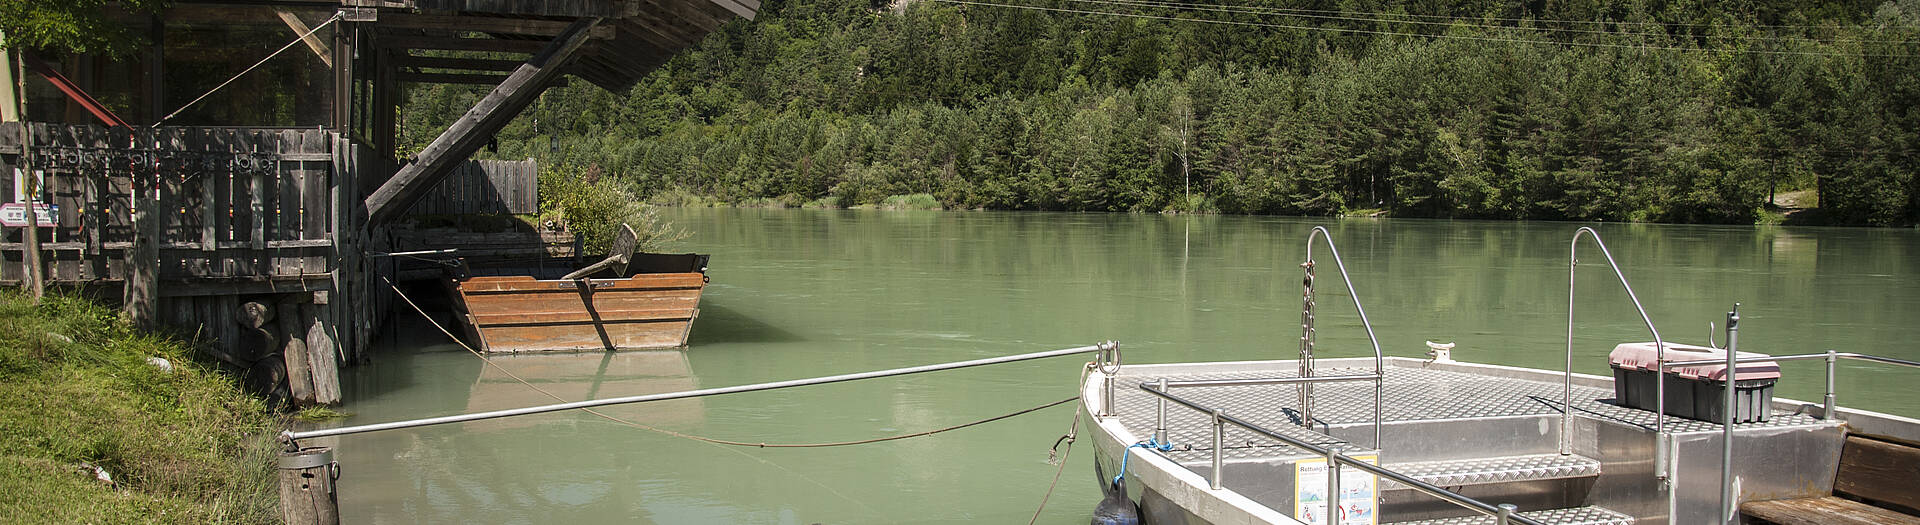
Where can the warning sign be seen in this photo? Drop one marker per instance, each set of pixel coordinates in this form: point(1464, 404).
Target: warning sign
point(1359, 500)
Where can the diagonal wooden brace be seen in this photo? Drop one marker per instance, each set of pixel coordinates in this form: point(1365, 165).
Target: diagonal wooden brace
point(474, 129)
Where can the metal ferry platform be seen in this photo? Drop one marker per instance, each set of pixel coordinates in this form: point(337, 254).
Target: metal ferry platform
point(1484, 431)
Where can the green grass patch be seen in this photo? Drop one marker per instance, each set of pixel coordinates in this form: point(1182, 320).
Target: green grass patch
point(915, 201)
point(320, 413)
point(186, 446)
point(827, 202)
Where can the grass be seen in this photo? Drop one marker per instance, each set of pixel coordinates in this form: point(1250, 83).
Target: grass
point(915, 201)
point(186, 446)
point(320, 413)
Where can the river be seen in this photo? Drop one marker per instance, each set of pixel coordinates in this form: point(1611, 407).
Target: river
point(802, 293)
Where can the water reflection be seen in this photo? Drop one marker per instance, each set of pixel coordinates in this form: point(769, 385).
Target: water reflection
point(802, 293)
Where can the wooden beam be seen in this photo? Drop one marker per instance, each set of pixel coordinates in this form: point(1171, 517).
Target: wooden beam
point(474, 64)
point(474, 129)
point(449, 78)
point(301, 30)
point(485, 24)
point(495, 45)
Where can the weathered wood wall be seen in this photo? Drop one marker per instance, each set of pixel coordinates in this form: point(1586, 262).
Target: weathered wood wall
point(239, 220)
point(236, 204)
point(485, 187)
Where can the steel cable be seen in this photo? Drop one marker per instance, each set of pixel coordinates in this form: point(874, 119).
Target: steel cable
point(516, 377)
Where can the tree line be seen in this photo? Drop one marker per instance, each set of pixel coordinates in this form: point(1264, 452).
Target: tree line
point(1688, 111)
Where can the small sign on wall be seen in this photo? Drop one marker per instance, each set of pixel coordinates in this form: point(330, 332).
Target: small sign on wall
point(14, 214)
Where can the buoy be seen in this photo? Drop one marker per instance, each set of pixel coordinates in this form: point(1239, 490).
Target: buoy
point(1115, 509)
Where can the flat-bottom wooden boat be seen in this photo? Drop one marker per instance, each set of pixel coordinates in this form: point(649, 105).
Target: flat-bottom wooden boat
point(652, 306)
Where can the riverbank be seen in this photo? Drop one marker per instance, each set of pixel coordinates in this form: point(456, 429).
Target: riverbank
point(94, 429)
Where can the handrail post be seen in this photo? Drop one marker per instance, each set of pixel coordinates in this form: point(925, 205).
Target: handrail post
point(1379, 359)
point(1219, 443)
point(1727, 503)
point(1109, 355)
point(1659, 349)
point(1160, 418)
point(1333, 484)
point(1505, 516)
point(1828, 414)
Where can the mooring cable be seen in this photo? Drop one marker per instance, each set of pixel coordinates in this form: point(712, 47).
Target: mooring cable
point(476, 353)
point(1073, 434)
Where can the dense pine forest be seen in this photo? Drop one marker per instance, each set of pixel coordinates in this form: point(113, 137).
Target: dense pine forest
point(1692, 111)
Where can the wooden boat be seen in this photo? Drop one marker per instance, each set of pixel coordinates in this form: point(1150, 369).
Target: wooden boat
point(650, 302)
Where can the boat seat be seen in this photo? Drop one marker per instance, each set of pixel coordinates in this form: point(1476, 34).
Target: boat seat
point(1872, 469)
point(1823, 511)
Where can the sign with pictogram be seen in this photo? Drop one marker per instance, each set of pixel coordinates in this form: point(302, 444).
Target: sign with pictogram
point(14, 214)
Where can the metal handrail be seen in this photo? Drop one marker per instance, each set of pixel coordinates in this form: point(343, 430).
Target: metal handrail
point(1103, 349)
point(1379, 359)
point(1504, 513)
point(1659, 348)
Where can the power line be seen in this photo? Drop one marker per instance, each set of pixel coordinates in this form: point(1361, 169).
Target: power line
point(1541, 20)
point(1397, 33)
point(1451, 21)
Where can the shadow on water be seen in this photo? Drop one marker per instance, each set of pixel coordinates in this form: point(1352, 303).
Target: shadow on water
point(720, 324)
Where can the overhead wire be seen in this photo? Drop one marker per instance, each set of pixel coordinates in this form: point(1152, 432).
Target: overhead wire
point(1452, 21)
point(1378, 32)
point(1537, 20)
point(256, 65)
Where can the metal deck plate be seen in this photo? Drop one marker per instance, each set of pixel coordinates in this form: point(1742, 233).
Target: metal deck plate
point(1496, 470)
point(1572, 516)
point(1410, 394)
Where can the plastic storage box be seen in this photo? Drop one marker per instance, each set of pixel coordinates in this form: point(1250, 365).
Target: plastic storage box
point(1693, 392)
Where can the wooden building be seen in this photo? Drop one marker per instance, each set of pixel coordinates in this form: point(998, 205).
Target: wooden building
point(246, 200)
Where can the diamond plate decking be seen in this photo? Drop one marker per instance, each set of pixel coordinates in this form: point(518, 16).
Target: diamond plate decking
point(1572, 516)
point(1496, 470)
point(1410, 394)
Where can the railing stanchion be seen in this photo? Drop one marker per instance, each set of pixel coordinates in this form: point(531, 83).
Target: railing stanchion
point(1219, 443)
point(1659, 352)
point(1831, 359)
point(1160, 416)
point(1727, 502)
point(1333, 484)
point(1379, 358)
point(1506, 514)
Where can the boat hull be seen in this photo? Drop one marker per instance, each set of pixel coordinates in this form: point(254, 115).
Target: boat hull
point(513, 314)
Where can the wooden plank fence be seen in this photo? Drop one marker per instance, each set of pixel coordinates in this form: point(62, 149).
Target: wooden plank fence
point(232, 203)
point(485, 187)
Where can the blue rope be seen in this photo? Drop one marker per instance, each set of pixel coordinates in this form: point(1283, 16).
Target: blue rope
point(1126, 454)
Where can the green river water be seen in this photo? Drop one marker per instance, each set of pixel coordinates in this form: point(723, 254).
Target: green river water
point(803, 293)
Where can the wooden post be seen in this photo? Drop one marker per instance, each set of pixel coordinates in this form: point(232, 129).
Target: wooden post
point(307, 496)
point(299, 367)
point(30, 261)
point(142, 294)
point(326, 372)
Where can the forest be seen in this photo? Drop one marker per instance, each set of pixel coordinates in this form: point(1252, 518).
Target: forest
point(1689, 111)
